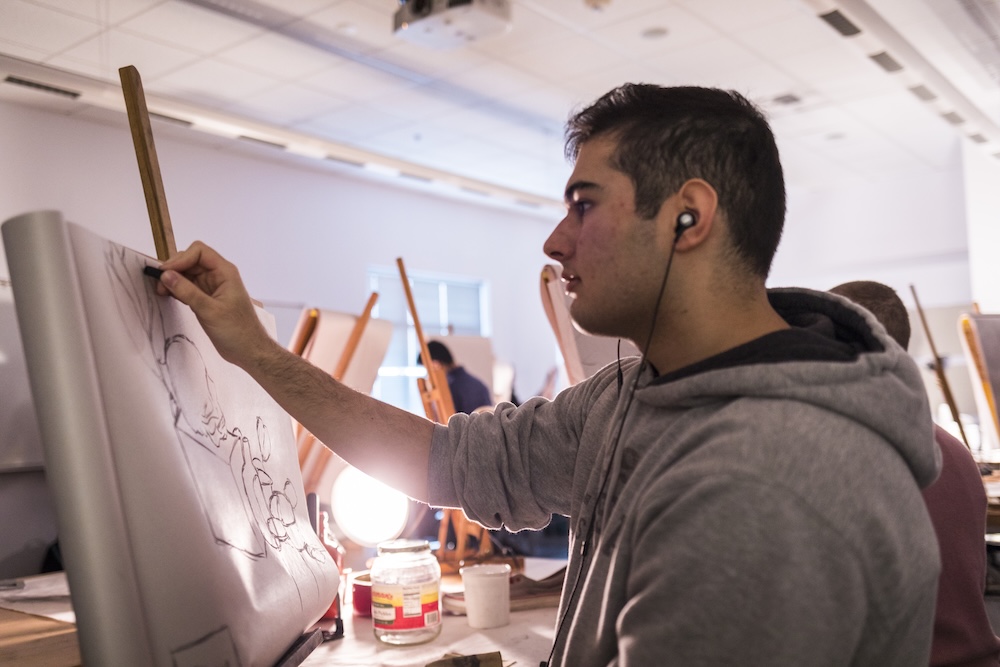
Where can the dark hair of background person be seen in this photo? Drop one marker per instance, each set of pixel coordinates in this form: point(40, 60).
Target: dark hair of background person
point(439, 353)
point(884, 304)
point(667, 136)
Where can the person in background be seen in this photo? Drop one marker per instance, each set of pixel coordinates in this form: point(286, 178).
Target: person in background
point(468, 392)
point(746, 491)
point(956, 503)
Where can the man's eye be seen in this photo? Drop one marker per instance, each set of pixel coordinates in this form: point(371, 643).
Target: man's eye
point(581, 207)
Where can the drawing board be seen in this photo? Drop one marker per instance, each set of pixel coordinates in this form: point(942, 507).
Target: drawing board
point(583, 354)
point(980, 334)
point(321, 337)
point(182, 518)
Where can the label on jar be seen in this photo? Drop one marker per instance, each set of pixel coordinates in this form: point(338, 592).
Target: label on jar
point(399, 607)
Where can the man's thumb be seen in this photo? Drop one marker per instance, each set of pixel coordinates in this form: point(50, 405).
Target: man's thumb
point(183, 289)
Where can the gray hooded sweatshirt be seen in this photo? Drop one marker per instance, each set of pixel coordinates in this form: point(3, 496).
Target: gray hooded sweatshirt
point(759, 508)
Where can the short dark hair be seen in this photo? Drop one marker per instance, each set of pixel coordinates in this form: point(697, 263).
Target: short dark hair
point(669, 135)
point(439, 352)
point(883, 302)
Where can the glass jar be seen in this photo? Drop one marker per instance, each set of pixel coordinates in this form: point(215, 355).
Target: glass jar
point(406, 591)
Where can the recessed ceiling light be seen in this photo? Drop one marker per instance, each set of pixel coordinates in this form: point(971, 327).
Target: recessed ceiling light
point(657, 32)
point(787, 99)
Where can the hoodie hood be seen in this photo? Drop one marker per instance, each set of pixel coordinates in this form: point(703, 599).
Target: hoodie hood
point(880, 388)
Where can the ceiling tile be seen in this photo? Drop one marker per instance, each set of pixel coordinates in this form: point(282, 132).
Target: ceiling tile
point(415, 103)
point(102, 56)
point(301, 7)
point(354, 123)
point(107, 13)
point(710, 63)
point(286, 104)
point(431, 63)
point(565, 58)
point(416, 140)
point(496, 79)
point(355, 82)
point(35, 27)
point(211, 82)
point(190, 27)
point(277, 56)
point(529, 27)
point(735, 17)
point(785, 38)
point(682, 28)
point(592, 84)
point(580, 16)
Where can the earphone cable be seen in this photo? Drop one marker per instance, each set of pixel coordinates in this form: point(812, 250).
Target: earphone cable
point(614, 448)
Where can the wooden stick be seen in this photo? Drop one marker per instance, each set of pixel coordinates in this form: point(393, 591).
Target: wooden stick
point(438, 404)
point(939, 371)
point(434, 390)
point(149, 167)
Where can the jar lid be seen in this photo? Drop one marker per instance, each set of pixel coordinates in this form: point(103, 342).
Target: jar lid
point(403, 546)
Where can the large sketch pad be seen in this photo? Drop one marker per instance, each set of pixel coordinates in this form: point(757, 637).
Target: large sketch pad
point(181, 512)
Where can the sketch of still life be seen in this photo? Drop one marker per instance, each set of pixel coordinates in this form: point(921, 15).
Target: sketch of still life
point(230, 570)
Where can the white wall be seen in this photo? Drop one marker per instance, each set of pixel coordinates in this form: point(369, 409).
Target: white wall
point(900, 229)
point(982, 190)
point(301, 233)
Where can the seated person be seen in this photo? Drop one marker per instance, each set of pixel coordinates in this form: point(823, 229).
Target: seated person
point(956, 503)
point(467, 391)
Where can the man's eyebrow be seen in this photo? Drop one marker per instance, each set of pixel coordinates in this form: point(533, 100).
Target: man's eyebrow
point(576, 186)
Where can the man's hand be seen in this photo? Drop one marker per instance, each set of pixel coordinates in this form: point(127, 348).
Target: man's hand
point(201, 278)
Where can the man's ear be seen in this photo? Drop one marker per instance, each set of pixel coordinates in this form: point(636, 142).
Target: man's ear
point(693, 214)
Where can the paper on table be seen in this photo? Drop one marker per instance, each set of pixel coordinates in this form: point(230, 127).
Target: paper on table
point(45, 595)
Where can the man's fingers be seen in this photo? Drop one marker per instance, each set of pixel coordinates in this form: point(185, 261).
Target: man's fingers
point(185, 291)
point(197, 255)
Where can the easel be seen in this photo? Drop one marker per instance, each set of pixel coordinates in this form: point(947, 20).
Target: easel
point(438, 405)
point(939, 371)
point(583, 354)
point(163, 238)
point(312, 470)
point(555, 309)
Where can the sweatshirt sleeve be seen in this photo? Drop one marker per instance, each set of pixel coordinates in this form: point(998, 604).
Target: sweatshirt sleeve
point(517, 466)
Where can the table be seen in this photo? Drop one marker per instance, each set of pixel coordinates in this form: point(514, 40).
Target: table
point(526, 641)
point(40, 632)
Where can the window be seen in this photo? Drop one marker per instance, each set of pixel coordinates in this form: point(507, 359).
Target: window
point(444, 305)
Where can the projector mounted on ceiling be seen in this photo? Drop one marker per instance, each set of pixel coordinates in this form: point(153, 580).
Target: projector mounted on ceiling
point(447, 24)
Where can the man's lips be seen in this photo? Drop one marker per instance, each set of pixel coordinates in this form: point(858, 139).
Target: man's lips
point(570, 281)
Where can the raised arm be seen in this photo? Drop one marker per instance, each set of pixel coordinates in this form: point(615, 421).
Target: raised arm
point(388, 443)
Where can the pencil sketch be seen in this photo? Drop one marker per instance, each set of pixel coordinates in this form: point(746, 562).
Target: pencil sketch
point(241, 482)
point(181, 506)
point(229, 452)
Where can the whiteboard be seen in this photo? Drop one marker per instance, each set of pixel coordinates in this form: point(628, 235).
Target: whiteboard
point(182, 520)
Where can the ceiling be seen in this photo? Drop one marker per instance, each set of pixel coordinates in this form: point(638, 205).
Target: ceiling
point(330, 78)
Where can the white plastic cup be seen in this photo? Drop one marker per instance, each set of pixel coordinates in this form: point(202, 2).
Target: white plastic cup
point(487, 594)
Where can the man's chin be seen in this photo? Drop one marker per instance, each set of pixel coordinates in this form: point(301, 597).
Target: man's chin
point(590, 327)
